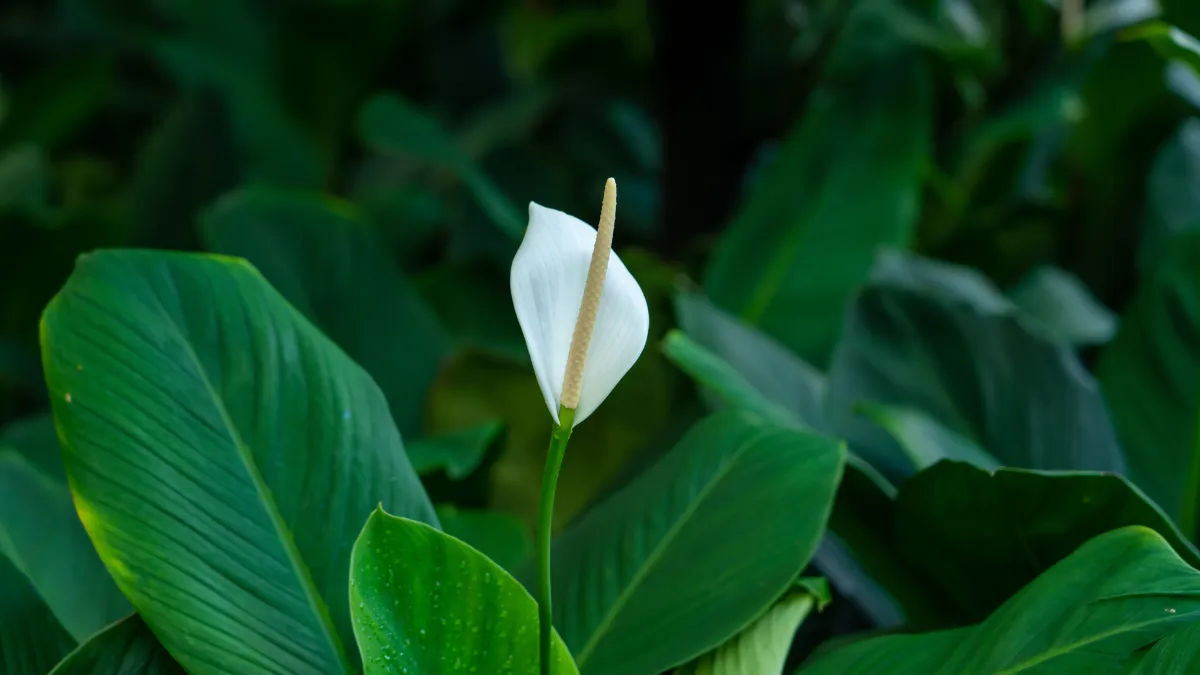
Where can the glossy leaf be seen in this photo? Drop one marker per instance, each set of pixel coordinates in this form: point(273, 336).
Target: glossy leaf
point(639, 585)
point(424, 602)
point(982, 535)
point(330, 264)
point(1094, 611)
point(41, 535)
point(125, 648)
point(31, 640)
point(1151, 379)
point(458, 453)
point(763, 647)
point(805, 237)
point(252, 447)
point(505, 539)
point(1065, 307)
point(858, 523)
point(936, 338)
point(391, 124)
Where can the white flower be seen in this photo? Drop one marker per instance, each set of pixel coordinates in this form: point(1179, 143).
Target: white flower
point(549, 273)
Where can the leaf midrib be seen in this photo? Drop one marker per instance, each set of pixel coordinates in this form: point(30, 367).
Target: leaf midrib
point(282, 531)
point(599, 633)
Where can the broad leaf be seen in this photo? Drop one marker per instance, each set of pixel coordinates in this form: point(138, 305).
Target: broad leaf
point(1151, 379)
point(41, 534)
point(695, 548)
point(762, 648)
point(31, 640)
point(981, 535)
point(125, 648)
point(805, 238)
point(1093, 612)
point(932, 337)
point(250, 451)
point(857, 521)
point(423, 603)
point(330, 264)
point(458, 453)
point(505, 539)
point(37, 442)
point(1060, 302)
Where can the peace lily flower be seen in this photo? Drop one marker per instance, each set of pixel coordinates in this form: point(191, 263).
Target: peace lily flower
point(584, 318)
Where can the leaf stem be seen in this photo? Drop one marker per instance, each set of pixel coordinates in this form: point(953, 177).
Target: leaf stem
point(554, 460)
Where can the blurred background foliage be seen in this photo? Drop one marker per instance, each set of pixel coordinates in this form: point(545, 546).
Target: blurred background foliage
point(374, 158)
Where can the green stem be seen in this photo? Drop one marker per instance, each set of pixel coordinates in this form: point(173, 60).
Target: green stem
point(554, 459)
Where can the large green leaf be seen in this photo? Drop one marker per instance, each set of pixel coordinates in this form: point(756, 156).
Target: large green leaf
point(858, 522)
point(202, 414)
point(935, 338)
point(425, 603)
point(806, 235)
point(695, 548)
point(31, 640)
point(458, 453)
point(1093, 612)
point(982, 535)
point(330, 264)
point(41, 534)
point(762, 648)
point(1151, 379)
point(125, 648)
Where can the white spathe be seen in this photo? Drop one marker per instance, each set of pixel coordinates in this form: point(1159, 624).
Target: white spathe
point(548, 276)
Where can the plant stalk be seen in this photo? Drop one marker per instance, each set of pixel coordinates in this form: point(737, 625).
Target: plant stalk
point(554, 460)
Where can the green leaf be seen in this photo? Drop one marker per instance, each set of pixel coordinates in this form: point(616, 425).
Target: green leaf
point(806, 236)
point(924, 440)
point(762, 648)
point(424, 602)
point(1091, 612)
point(458, 453)
point(862, 493)
point(982, 535)
point(1170, 42)
point(329, 264)
point(503, 538)
point(1176, 654)
point(200, 412)
point(1151, 379)
point(1172, 200)
point(640, 582)
point(390, 124)
point(916, 654)
point(125, 648)
point(31, 640)
point(936, 338)
point(41, 534)
point(778, 375)
point(36, 441)
point(1060, 302)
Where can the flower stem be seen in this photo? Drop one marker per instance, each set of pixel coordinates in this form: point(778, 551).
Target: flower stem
point(554, 460)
